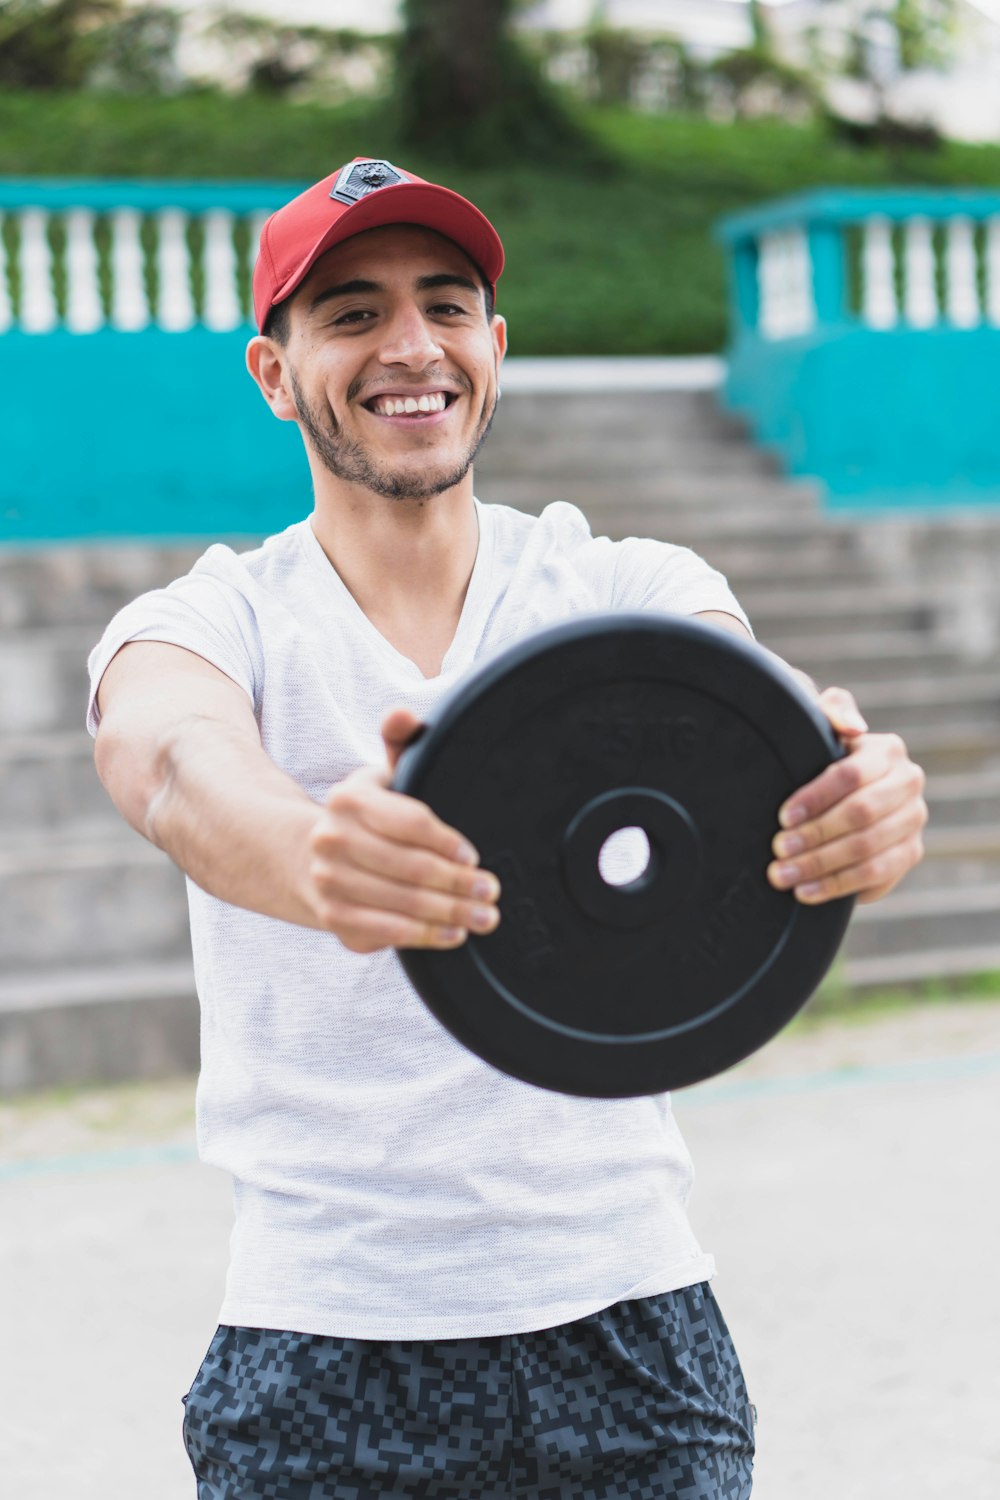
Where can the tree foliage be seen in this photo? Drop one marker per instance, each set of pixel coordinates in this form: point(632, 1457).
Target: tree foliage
point(467, 89)
point(51, 44)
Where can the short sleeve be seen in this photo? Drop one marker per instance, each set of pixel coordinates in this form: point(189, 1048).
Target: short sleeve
point(651, 575)
point(202, 613)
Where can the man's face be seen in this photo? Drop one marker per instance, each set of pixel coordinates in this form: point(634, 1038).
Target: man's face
point(393, 363)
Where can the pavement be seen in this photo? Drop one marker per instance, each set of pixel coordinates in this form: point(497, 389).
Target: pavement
point(847, 1185)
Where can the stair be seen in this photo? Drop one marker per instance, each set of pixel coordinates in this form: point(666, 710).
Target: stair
point(95, 970)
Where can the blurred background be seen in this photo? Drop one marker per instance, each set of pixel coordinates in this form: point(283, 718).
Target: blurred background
point(753, 289)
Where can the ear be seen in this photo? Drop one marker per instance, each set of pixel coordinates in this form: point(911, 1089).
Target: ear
point(498, 328)
point(267, 362)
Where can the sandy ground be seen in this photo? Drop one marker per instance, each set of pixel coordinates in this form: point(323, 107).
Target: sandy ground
point(847, 1187)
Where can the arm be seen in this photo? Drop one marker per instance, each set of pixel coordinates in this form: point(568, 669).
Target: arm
point(856, 829)
point(179, 752)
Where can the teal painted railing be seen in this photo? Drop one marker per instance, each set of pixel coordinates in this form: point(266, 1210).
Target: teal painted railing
point(124, 313)
point(865, 342)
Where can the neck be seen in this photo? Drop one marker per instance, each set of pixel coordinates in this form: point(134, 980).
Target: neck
point(406, 562)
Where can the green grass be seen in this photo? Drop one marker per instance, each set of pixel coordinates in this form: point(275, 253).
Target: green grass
point(610, 259)
point(836, 999)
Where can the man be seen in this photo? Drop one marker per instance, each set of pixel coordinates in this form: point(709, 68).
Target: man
point(444, 1282)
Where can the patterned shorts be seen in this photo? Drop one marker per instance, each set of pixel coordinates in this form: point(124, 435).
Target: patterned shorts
point(643, 1400)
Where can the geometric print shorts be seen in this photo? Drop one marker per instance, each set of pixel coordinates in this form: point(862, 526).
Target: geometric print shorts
point(644, 1400)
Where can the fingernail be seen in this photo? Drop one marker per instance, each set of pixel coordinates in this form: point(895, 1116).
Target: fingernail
point(792, 815)
point(809, 890)
point(452, 934)
point(466, 855)
point(485, 918)
point(788, 843)
point(855, 721)
point(786, 874)
point(485, 888)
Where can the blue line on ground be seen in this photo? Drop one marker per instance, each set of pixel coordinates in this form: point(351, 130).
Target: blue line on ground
point(100, 1161)
point(929, 1070)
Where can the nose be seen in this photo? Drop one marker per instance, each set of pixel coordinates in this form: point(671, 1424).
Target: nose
point(409, 340)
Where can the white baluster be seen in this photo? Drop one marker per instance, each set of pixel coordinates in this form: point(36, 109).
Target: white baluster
point(255, 224)
point(129, 304)
point(963, 294)
point(84, 312)
point(6, 306)
point(993, 271)
point(769, 285)
point(222, 308)
point(879, 303)
point(38, 303)
point(920, 300)
point(802, 308)
point(176, 305)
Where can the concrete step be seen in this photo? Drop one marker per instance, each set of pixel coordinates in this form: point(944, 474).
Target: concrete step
point(97, 1024)
point(885, 656)
point(656, 498)
point(921, 702)
point(92, 901)
point(530, 417)
point(956, 747)
point(920, 965)
point(83, 586)
point(915, 919)
point(960, 801)
point(48, 784)
point(958, 857)
point(620, 456)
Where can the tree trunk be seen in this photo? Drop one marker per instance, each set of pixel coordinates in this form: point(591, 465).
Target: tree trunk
point(467, 90)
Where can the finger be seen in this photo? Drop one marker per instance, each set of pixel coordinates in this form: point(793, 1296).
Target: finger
point(842, 710)
point(900, 786)
point(399, 729)
point(367, 930)
point(851, 856)
point(874, 878)
point(344, 886)
point(405, 820)
point(869, 757)
point(404, 864)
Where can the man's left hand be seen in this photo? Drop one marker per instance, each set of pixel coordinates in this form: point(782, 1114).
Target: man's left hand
point(857, 829)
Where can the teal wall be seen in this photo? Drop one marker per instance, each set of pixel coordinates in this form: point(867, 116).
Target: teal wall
point(142, 434)
point(887, 418)
point(112, 425)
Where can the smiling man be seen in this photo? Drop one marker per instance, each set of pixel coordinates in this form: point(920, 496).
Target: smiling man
point(444, 1282)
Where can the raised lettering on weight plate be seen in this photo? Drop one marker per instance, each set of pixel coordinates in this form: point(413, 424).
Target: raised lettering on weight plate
point(617, 737)
point(741, 899)
point(522, 917)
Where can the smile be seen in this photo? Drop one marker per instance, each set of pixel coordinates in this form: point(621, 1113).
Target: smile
point(427, 404)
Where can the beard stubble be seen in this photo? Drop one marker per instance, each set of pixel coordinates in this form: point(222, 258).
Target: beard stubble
point(349, 460)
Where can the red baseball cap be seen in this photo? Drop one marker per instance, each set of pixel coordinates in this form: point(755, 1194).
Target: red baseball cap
point(364, 194)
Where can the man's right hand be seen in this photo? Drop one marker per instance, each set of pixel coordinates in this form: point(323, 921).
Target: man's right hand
point(385, 872)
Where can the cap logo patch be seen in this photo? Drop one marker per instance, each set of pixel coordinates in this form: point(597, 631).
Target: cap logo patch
point(360, 178)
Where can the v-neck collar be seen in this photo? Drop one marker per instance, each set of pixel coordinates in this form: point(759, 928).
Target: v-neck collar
point(468, 629)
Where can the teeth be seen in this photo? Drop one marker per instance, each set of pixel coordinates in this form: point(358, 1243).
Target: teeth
point(404, 406)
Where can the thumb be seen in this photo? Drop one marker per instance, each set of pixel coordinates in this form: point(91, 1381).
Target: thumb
point(842, 711)
point(399, 729)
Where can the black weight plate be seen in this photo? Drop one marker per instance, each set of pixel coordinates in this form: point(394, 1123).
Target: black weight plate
point(612, 721)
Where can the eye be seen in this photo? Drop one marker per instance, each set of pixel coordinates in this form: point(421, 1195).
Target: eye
point(449, 309)
point(356, 315)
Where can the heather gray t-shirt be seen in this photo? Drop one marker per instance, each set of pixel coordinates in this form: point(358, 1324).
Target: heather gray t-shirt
point(388, 1183)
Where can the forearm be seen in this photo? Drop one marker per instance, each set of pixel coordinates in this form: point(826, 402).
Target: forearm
point(207, 794)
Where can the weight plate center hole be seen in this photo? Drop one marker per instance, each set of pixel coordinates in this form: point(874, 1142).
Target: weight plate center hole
point(625, 857)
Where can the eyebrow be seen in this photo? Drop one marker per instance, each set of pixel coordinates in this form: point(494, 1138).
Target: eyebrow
point(360, 285)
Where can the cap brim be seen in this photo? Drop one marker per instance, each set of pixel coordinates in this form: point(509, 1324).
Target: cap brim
point(425, 204)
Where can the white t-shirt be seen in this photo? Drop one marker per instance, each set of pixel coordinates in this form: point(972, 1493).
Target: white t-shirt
point(388, 1183)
